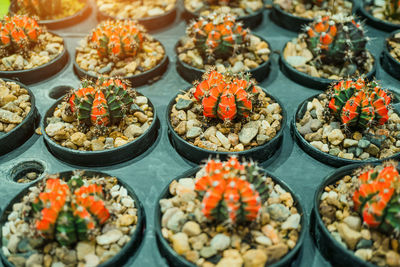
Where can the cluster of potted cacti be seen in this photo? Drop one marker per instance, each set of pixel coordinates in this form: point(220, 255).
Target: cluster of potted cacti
point(70, 218)
point(366, 203)
point(391, 54)
point(233, 222)
point(219, 40)
point(120, 48)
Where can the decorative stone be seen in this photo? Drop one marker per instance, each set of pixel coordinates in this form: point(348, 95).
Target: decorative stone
point(254, 258)
point(220, 242)
point(183, 104)
point(180, 243)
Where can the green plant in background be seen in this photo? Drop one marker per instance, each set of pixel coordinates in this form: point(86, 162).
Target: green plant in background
point(4, 4)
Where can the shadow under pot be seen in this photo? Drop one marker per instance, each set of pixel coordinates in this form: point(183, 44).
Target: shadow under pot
point(248, 142)
point(388, 62)
point(40, 72)
point(293, 22)
point(54, 24)
point(334, 242)
point(100, 152)
point(278, 252)
point(365, 11)
point(32, 249)
point(251, 20)
point(315, 82)
point(190, 73)
point(145, 77)
point(347, 147)
point(151, 23)
point(25, 125)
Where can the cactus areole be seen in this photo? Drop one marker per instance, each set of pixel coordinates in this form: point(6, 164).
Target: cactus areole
point(226, 96)
point(336, 40)
point(218, 36)
point(232, 192)
point(377, 198)
point(69, 212)
point(118, 39)
point(18, 34)
point(359, 104)
point(101, 104)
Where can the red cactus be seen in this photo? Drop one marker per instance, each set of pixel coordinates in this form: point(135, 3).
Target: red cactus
point(225, 98)
point(229, 191)
point(376, 198)
point(359, 104)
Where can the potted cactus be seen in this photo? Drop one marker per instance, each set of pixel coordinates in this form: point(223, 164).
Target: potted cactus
point(352, 121)
point(106, 119)
point(329, 49)
point(391, 54)
point(28, 51)
point(70, 219)
point(52, 13)
point(355, 215)
point(250, 13)
point(224, 115)
point(17, 114)
point(384, 15)
point(218, 40)
point(293, 14)
point(152, 14)
point(121, 48)
point(223, 215)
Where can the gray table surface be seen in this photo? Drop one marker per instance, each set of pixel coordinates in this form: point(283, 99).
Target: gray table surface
point(149, 173)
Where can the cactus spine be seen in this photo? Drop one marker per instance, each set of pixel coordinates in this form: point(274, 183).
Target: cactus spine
point(232, 191)
point(359, 104)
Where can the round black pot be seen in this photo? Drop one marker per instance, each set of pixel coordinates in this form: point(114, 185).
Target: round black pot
point(143, 78)
point(104, 157)
point(54, 24)
point(318, 154)
point(127, 250)
point(197, 155)
point(39, 73)
point(150, 23)
point(178, 261)
point(22, 131)
point(388, 62)
point(250, 21)
point(310, 81)
point(375, 22)
point(190, 73)
point(331, 249)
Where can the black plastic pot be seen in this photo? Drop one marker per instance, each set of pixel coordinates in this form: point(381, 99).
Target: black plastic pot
point(150, 23)
point(22, 131)
point(197, 155)
point(104, 157)
point(375, 22)
point(318, 154)
point(190, 73)
point(250, 21)
point(39, 73)
point(143, 78)
point(128, 249)
point(310, 81)
point(388, 62)
point(331, 249)
point(54, 24)
point(178, 261)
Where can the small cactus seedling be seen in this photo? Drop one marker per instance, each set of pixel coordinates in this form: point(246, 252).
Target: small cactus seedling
point(218, 36)
point(336, 40)
point(359, 104)
point(41, 8)
point(69, 212)
point(18, 34)
point(118, 39)
point(232, 192)
point(377, 198)
point(101, 104)
point(393, 9)
point(225, 97)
